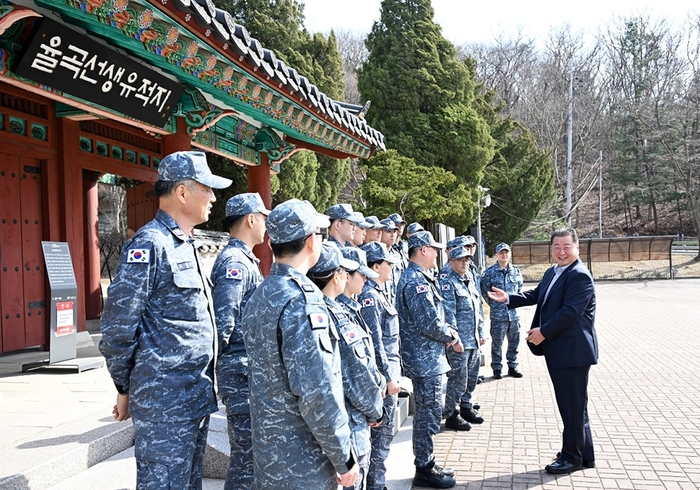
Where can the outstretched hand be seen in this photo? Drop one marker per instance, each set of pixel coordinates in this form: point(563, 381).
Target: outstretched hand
point(498, 295)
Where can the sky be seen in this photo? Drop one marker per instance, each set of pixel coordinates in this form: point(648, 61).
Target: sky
point(481, 21)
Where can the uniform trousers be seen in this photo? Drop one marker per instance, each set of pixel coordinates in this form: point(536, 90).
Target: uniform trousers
point(500, 331)
point(381, 443)
point(427, 392)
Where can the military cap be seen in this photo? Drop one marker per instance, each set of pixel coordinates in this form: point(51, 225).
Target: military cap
point(502, 246)
point(331, 258)
point(397, 219)
point(470, 240)
point(246, 203)
point(359, 256)
point(389, 225)
point(414, 227)
point(294, 219)
point(377, 252)
point(190, 165)
point(362, 223)
point(458, 241)
point(423, 239)
point(375, 222)
point(458, 253)
point(342, 211)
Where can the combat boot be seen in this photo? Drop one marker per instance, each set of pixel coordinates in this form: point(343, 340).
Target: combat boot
point(470, 415)
point(428, 476)
point(456, 422)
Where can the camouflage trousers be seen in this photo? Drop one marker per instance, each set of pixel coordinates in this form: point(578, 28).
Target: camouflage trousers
point(461, 379)
point(381, 443)
point(427, 392)
point(363, 463)
point(240, 466)
point(169, 454)
point(499, 331)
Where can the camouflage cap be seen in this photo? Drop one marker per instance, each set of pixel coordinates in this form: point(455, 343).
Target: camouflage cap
point(388, 225)
point(247, 203)
point(414, 227)
point(359, 256)
point(362, 223)
point(458, 253)
point(190, 165)
point(377, 252)
point(342, 211)
point(423, 239)
point(502, 246)
point(470, 240)
point(294, 219)
point(376, 224)
point(397, 219)
point(458, 241)
point(331, 258)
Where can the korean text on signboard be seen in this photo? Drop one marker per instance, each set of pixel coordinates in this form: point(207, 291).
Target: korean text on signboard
point(77, 65)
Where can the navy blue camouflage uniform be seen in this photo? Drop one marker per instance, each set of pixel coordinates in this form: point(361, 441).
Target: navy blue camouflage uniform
point(363, 385)
point(382, 319)
point(159, 341)
point(505, 322)
point(235, 276)
point(423, 333)
point(462, 302)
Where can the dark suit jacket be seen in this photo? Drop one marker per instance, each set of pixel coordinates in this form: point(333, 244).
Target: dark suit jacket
point(566, 318)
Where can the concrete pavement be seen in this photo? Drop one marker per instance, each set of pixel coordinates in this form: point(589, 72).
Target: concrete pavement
point(644, 408)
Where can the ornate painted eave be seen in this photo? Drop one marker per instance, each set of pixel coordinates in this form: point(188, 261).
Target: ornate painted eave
point(203, 48)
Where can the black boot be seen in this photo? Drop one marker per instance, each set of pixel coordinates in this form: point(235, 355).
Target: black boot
point(440, 469)
point(471, 416)
point(428, 476)
point(456, 422)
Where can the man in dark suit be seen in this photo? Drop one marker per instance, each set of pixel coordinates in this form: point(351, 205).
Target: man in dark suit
point(563, 331)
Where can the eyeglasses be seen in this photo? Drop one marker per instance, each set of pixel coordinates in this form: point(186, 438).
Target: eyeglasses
point(323, 232)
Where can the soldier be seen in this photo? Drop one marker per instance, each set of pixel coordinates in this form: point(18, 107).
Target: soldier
point(389, 234)
point(383, 322)
point(361, 230)
point(458, 241)
point(158, 332)
point(301, 437)
point(343, 224)
point(362, 384)
point(505, 322)
point(470, 247)
point(424, 334)
point(462, 303)
point(374, 234)
point(400, 245)
point(235, 276)
point(410, 230)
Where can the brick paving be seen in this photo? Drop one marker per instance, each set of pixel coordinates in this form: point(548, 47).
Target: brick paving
point(644, 402)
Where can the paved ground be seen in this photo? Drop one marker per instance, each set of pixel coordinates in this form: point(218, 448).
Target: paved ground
point(644, 408)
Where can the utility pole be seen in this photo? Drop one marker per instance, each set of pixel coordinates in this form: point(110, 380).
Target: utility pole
point(569, 133)
point(600, 195)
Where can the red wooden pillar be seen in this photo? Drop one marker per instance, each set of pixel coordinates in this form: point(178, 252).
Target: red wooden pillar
point(259, 181)
point(179, 141)
point(92, 247)
point(72, 211)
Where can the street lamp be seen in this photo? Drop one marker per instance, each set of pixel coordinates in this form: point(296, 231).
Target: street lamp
point(484, 202)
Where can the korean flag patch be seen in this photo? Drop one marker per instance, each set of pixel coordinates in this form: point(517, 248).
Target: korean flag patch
point(445, 287)
point(234, 274)
point(422, 289)
point(318, 320)
point(351, 336)
point(443, 275)
point(367, 302)
point(138, 256)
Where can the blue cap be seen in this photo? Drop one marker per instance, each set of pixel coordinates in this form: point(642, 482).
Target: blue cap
point(362, 223)
point(359, 256)
point(458, 253)
point(423, 239)
point(294, 219)
point(331, 259)
point(190, 165)
point(342, 211)
point(247, 203)
point(377, 251)
point(389, 225)
point(502, 246)
point(397, 219)
point(414, 227)
point(376, 224)
point(458, 241)
point(470, 240)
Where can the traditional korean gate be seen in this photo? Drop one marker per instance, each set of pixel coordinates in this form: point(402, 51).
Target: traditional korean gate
point(141, 205)
point(22, 305)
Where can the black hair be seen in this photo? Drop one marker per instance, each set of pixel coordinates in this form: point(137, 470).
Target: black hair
point(565, 232)
point(233, 221)
point(288, 249)
point(322, 278)
point(412, 251)
point(376, 262)
point(164, 188)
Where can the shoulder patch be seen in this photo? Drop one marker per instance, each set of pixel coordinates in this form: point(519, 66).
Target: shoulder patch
point(318, 320)
point(234, 274)
point(138, 256)
point(421, 289)
point(443, 275)
point(445, 287)
point(367, 302)
point(351, 335)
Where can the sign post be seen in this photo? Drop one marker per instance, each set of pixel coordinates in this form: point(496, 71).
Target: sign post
point(64, 311)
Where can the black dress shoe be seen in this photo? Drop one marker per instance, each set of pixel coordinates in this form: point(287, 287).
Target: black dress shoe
point(497, 374)
point(561, 467)
point(456, 422)
point(514, 373)
point(585, 464)
point(471, 416)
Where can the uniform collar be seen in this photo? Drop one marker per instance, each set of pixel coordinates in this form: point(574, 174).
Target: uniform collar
point(171, 225)
point(241, 245)
point(349, 302)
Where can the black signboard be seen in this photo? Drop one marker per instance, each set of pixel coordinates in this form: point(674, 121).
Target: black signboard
point(58, 265)
point(66, 60)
